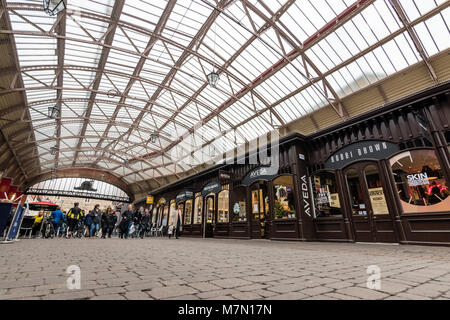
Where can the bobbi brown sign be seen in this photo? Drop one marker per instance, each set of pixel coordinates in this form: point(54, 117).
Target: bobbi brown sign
point(365, 150)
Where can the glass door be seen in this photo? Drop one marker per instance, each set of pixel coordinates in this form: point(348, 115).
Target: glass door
point(210, 210)
point(210, 216)
point(181, 208)
point(369, 208)
point(260, 208)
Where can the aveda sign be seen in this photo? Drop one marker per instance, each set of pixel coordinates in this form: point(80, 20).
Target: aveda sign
point(305, 196)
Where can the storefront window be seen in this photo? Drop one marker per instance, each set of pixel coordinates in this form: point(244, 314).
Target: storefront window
point(326, 196)
point(188, 212)
point(223, 206)
point(198, 210)
point(239, 204)
point(284, 197)
point(420, 182)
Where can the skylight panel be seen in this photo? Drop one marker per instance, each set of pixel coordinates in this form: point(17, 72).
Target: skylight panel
point(434, 34)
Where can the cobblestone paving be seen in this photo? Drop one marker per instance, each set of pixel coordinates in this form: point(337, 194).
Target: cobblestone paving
point(220, 269)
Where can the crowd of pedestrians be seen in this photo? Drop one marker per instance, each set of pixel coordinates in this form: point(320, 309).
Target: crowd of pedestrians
point(96, 223)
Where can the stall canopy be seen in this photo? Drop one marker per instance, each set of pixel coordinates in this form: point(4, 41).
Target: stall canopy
point(43, 205)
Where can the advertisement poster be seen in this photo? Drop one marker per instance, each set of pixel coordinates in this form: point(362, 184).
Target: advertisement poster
point(378, 201)
point(334, 200)
point(15, 225)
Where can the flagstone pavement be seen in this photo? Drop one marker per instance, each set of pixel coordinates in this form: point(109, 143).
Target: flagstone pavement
point(220, 269)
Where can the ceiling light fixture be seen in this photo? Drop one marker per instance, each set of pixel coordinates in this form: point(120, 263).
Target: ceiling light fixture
point(53, 7)
point(154, 137)
point(53, 150)
point(214, 76)
point(53, 112)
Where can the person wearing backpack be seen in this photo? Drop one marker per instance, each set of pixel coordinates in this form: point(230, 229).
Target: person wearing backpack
point(73, 216)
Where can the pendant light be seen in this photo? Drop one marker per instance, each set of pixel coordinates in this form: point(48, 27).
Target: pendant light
point(53, 7)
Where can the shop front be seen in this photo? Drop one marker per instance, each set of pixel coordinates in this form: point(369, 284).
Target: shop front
point(264, 206)
point(384, 178)
point(184, 202)
point(380, 177)
point(210, 220)
point(364, 191)
point(158, 212)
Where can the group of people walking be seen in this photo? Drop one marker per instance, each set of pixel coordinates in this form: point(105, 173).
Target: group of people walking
point(135, 223)
point(77, 222)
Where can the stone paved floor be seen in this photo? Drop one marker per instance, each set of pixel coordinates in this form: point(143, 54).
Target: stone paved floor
point(220, 269)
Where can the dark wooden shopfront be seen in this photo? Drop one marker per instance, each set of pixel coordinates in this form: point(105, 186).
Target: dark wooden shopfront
point(398, 194)
point(380, 177)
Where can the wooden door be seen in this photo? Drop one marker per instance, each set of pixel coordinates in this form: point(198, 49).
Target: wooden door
point(372, 221)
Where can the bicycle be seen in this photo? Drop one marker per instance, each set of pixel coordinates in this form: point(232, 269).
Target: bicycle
point(48, 230)
point(79, 229)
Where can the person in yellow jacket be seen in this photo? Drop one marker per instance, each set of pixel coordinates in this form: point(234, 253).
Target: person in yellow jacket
point(38, 222)
point(73, 216)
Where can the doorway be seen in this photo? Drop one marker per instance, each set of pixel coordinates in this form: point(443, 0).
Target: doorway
point(181, 208)
point(260, 210)
point(371, 219)
point(210, 216)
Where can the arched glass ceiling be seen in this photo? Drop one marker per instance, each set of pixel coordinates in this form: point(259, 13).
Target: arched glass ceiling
point(120, 71)
point(79, 187)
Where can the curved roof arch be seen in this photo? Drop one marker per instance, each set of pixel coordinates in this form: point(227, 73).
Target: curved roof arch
point(121, 71)
point(79, 187)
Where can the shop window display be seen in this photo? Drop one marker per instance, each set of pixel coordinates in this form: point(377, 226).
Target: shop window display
point(198, 210)
point(223, 206)
point(420, 182)
point(239, 205)
point(188, 212)
point(284, 198)
point(326, 197)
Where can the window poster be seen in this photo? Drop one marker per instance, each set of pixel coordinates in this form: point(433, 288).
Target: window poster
point(378, 201)
point(334, 200)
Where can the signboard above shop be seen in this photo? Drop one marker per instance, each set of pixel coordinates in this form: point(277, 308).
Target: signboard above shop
point(213, 187)
point(365, 150)
point(225, 176)
point(260, 173)
point(183, 196)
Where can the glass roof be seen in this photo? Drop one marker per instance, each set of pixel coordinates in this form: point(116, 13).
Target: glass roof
point(123, 71)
